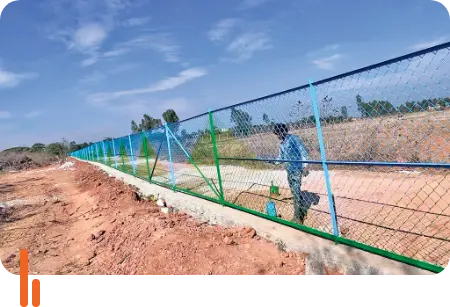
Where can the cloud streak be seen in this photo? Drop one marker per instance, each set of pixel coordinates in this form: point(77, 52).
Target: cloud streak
point(222, 29)
point(10, 79)
point(136, 21)
point(246, 45)
point(327, 63)
point(162, 85)
point(160, 43)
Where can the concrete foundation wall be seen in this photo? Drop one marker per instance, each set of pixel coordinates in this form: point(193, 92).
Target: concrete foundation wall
point(321, 252)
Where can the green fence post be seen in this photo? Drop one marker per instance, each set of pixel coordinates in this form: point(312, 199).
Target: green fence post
point(156, 160)
point(216, 156)
point(108, 149)
point(122, 154)
point(144, 143)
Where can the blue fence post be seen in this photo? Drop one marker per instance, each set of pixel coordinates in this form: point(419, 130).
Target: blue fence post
point(114, 152)
point(96, 150)
point(172, 175)
point(104, 152)
point(323, 158)
point(131, 155)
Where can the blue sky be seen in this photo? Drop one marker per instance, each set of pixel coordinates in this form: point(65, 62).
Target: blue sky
point(84, 69)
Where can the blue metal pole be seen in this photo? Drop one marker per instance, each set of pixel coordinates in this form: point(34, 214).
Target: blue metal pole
point(104, 152)
point(96, 150)
point(324, 159)
point(114, 151)
point(131, 155)
point(172, 175)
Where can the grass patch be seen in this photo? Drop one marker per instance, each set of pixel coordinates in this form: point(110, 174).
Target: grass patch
point(141, 170)
point(203, 153)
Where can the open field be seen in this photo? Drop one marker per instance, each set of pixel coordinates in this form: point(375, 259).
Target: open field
point(83, 222)
point(417, 137)
point(403, 211)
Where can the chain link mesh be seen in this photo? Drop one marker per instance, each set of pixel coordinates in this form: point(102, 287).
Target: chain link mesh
point(386, 147)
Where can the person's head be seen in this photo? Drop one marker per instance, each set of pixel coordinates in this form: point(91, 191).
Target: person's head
point(281, 130)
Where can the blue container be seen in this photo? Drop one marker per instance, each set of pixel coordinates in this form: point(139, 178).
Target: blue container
point(271, 209)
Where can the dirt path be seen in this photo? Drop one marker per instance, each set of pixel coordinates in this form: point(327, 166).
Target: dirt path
point(84, 222)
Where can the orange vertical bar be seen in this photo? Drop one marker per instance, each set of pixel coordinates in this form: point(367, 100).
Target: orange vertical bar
point(36, 293)
point(23, 278)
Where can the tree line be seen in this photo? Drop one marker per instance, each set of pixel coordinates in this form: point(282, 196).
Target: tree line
point(59, 149)
point(148, 122)
point(243, 125)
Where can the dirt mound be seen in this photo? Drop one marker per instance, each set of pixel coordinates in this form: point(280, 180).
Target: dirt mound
point(67, 166)
point(85, 222)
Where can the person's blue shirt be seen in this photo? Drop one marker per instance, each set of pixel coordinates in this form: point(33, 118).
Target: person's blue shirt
point(292, 148)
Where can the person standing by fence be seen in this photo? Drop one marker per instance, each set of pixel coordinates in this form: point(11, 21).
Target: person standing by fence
point(292, 148)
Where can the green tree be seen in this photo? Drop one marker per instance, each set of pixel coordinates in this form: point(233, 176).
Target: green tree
point(361, 106)
point(242, 120)
point(344, 112)
point(170, 116)
point(147, 123)
point(56, 149)
point(134, 127)
point(326, 107)
point(37, 147)
point(266, 118)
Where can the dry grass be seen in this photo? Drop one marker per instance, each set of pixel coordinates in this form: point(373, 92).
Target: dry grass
point(10, 161)
point(414, 138)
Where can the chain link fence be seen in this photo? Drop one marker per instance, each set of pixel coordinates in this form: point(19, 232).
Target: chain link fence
point(362, 158)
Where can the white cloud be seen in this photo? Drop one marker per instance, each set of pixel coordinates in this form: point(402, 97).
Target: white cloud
point(222, 29)
point(10, 79)
point(5, 114)
point(116, 52)
point(246, 45)
point(88, 37)
point(249, 4)
point(163, 85)
point(160, 43)
point(428, 44)
point(325, 50)
point(327, 63)
point(89, 61)
point(136, 21)
point(87, 40)
point(34, 114)
point(83, 26)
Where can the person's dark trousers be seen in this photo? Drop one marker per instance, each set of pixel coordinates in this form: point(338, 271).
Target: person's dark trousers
point(295, 183)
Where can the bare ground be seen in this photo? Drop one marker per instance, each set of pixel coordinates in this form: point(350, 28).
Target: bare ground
point(84, 222)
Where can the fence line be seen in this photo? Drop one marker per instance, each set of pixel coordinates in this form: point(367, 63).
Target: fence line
point(361, 158)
